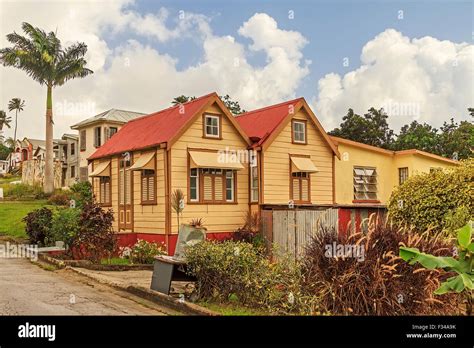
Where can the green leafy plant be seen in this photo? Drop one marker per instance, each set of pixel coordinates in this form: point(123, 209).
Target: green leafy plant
point(463, 282)
point(82, 193)
point(197, 223)
point(144, 252)
point(65, 226)
point(425, 200)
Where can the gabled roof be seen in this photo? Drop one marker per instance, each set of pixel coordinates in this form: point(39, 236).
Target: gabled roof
point(112, 115)
point(263, 125)
point(164, 126)
point(338, 140)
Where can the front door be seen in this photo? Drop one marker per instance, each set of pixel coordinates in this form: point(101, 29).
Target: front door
point(125, 207)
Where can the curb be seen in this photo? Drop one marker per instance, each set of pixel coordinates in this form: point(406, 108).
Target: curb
point(153, 296)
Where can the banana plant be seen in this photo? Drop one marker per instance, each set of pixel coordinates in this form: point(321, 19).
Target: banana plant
point(463, 265)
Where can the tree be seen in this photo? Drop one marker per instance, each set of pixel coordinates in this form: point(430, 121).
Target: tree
point(371, 129)
point(10, 143)
point(456, 140)
point(4, 120)
point(16, 104)
point(233, 106)
point(181, 100)
point(418, 136)
point(42, 57)
point(4, 152)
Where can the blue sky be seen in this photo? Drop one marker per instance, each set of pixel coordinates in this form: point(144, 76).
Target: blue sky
point(420, 67)
point(335, 29)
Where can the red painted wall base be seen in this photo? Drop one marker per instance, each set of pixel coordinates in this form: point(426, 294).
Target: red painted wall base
point(129, 239)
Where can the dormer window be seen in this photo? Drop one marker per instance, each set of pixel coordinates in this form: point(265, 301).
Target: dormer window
point(212, 126)
point(298, 131)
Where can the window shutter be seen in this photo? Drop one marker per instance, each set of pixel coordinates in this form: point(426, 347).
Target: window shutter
point(218, 188)
point(207, 183)
point(151, 188)
point(107, 190)
point(304, 190)
point(127, 185)
point(296, 190)
point(145, 189)
point(122, 185)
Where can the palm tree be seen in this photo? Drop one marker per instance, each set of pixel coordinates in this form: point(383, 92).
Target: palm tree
point(16, 104)
point(10, 143)
point(181, 100)
point(42, 57)
point(4, 120)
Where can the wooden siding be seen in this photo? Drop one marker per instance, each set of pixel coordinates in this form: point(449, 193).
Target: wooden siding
point(224, 217)
point(276, 165)
point(149, 218)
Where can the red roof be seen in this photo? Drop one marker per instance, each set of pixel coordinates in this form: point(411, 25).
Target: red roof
point(261, 123)
point(151, 130)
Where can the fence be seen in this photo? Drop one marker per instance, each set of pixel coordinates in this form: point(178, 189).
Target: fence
point(291, 230)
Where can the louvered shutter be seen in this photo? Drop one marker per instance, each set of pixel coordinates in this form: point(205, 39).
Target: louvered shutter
point(296, 189)
point(145, 192)
point(207, 189)
point(304, 190)
point(151, 188)
point(218, 188)
point(122, 188)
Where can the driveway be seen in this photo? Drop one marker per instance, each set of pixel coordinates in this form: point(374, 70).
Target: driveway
point(26, 289)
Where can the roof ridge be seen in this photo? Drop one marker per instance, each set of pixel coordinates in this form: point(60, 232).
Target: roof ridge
point(268, 107)
point(171, 107)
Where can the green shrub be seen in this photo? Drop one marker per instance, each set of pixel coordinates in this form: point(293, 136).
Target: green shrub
point(38, 225)
point(23, 191)
point(65, 226)
point(82, 193)
point(429, 201)
point(236, 271)
point(144, 252)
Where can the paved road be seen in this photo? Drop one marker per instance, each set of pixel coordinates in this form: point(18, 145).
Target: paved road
point(26, 289)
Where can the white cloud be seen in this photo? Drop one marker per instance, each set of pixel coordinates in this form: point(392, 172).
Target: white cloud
point(424, 79)
point(136, 76)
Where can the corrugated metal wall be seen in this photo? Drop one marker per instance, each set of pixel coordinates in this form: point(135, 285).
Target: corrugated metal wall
point(293, 229)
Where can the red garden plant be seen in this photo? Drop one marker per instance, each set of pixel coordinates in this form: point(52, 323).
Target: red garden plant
point(382, 283)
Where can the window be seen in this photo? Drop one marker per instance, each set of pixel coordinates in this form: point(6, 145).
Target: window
point(365, 183)
point(212, 124)
point(83, 173)
point(109, 132)
point(209, 185)
point(254, 184)
point(300, 187)
point(148, 186)
point(73, 149)
point(104, 190)
point(83, 140)
point(194, 185)
point(298, 132)
point(229, 186)
point(402, 175)
point(97, 136)
point(73, 171)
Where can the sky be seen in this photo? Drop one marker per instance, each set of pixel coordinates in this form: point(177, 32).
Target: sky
point(413, 58)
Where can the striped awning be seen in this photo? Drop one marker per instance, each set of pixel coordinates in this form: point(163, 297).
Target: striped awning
point(102, 169)
point(145, 161)
point(303, 164)
point(205, 159)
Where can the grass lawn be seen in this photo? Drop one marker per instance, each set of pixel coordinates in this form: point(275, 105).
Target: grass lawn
point(10, 179)
point(115, 261)
point(11, 213)
point(230, 309)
